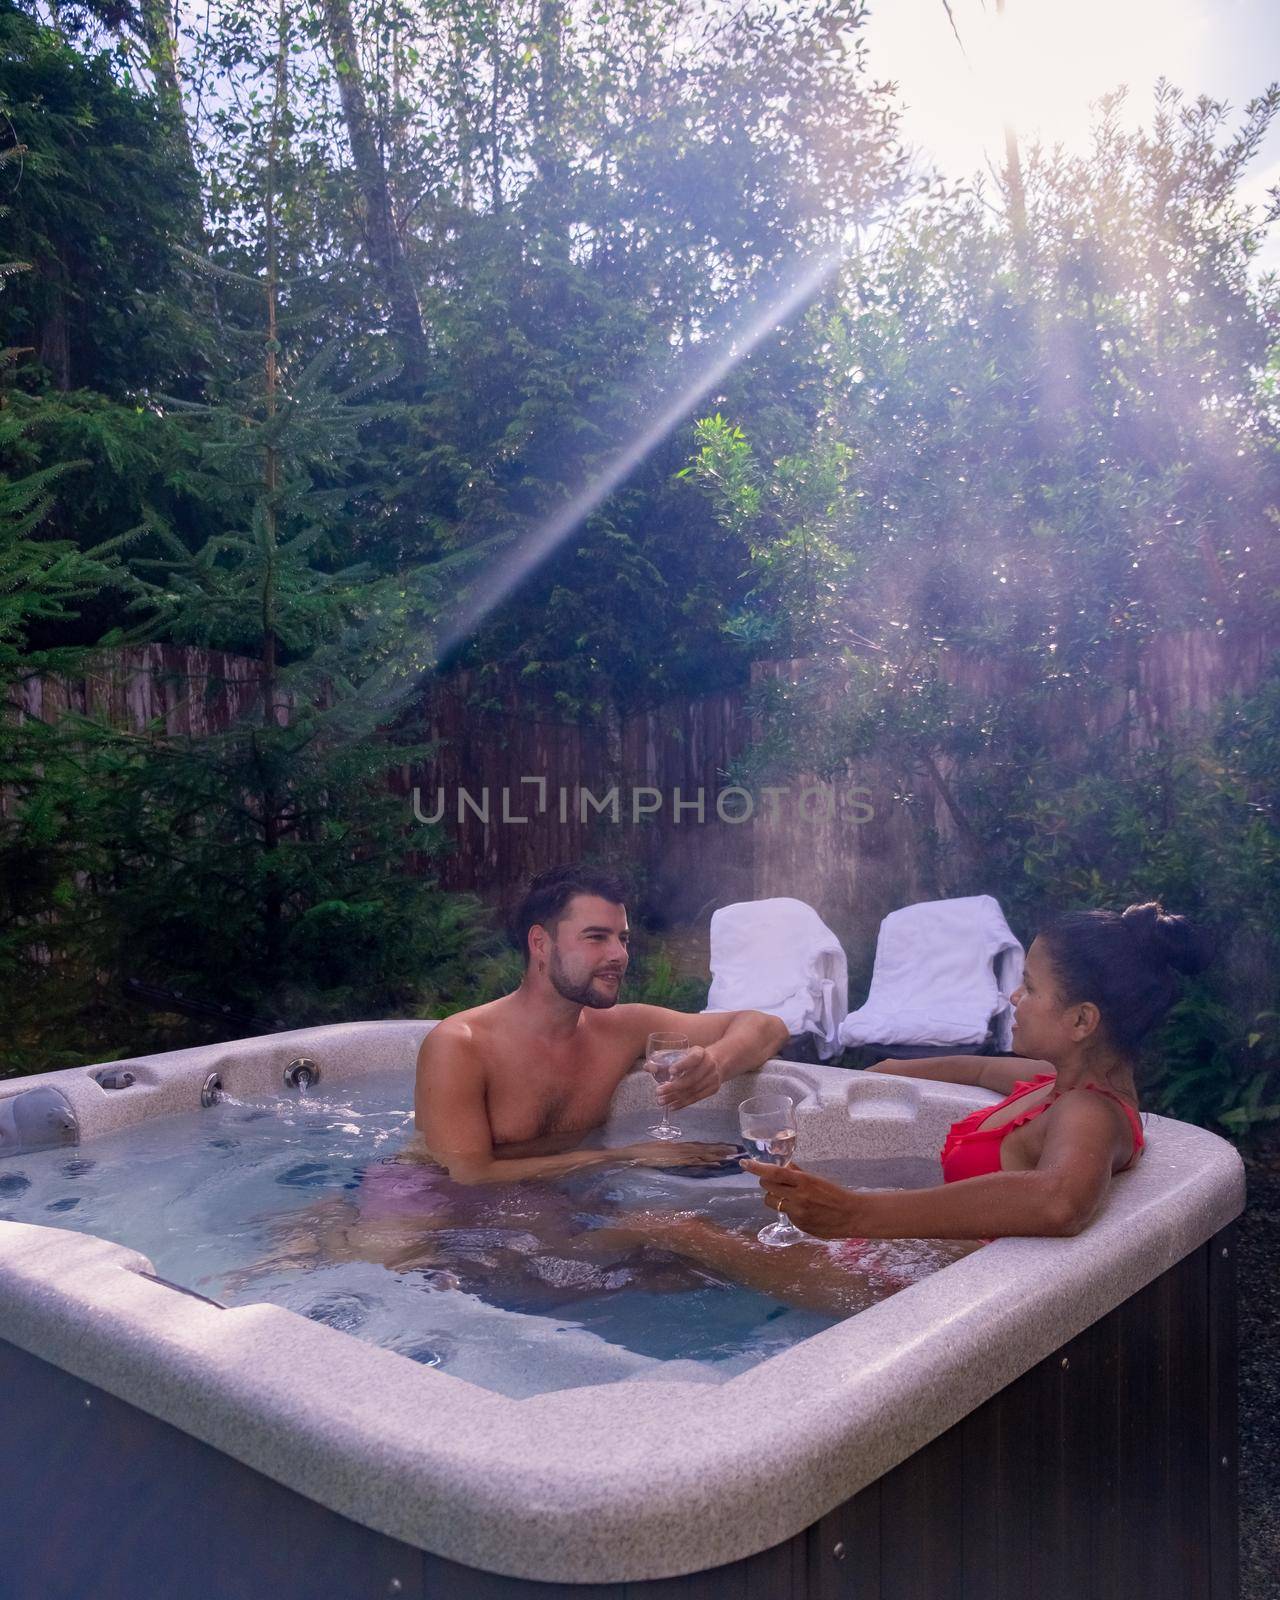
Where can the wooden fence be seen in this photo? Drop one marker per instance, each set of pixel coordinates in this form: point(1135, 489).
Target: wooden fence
point(190, 691)
point(515, 789)
point(856, 872)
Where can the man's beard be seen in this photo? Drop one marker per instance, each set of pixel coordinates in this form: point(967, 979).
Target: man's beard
point(580, 994)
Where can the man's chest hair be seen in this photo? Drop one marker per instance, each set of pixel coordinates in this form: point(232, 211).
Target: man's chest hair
point(535, 1101)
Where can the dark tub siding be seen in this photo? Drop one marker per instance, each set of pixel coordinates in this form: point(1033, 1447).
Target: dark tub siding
point(1107, 1471)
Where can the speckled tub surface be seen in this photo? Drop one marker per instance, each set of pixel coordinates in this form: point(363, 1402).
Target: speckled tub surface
point(627, 1480)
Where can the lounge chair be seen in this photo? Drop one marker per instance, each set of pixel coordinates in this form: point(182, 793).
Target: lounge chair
point(944, 972)
point(779, 956)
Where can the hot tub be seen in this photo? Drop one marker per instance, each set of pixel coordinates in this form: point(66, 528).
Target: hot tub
point(1042, 1418)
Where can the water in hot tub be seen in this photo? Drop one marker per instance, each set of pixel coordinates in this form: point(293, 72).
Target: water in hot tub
point(520, 1288)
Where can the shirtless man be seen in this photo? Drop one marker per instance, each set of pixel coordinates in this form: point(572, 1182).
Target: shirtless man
point(507, 1090)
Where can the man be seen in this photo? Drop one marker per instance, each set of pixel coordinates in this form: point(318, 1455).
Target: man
point(507, 1090)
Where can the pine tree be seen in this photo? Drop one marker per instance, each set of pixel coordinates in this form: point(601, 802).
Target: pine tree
point(263, 866)
point(41, 581)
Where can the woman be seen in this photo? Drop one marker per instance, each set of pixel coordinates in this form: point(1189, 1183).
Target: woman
point(1041, 1161)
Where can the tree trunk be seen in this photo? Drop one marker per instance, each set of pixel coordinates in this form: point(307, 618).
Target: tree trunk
point(378, 221)
point(495, 126)
point(466, 136)
point(547, 114)
point(55, 336)
point(1015, 191)
point(273, 899)
point(547, 149)
point(155, 28)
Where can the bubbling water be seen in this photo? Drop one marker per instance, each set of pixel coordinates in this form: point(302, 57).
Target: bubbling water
point(521, 1288)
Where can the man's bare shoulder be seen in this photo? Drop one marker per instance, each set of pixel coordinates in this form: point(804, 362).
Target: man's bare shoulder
point(465, 1033)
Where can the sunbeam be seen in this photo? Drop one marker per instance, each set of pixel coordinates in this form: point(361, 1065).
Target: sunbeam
point(749, 329)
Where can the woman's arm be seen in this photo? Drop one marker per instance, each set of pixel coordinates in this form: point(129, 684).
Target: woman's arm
point(974, 1208)
point(985, 1072)
point(1056, 1198)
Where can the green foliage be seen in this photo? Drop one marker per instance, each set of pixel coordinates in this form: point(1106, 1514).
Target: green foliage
point(583, 200)
point(264, 867)
point(1057, 453)
point(488, 978)
point(1031, 450)
point(1183, 821)
point(128, 463)
point(1202, 1050)
point(40, 579)
point(266, 871)
point(1059, 448)
point(94, 206)
point(43, 580)
point(589, 196)
point(260, 868)
point(789, 522)
point(653, 979)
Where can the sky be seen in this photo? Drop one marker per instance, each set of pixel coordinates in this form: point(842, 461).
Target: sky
point(1055, 57)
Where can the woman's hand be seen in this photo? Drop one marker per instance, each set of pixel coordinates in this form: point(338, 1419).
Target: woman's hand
point(823, 1209)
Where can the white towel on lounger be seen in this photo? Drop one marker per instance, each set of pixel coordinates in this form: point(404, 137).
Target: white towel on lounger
point(779, 956)
point(943, 975)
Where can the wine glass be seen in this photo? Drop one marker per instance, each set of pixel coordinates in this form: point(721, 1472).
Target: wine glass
point(661, 1053)
point(768, 1123)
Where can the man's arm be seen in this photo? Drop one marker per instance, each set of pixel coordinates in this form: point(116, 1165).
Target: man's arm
point(449, 1112)
point(724, 1043)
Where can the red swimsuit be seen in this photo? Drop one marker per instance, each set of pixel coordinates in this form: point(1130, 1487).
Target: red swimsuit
point(971, 1151)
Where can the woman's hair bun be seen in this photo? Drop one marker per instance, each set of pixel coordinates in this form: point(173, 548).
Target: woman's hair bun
point(1176, 940)
point(1127, 964)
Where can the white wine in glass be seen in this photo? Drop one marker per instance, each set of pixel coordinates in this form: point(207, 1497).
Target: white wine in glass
point(661, 1055)
point(768, 1123)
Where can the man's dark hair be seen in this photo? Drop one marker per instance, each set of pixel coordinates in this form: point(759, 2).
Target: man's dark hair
point(550, 892)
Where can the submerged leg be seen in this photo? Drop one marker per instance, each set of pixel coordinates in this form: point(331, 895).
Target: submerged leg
point(395, 1219)
point(804, 1275)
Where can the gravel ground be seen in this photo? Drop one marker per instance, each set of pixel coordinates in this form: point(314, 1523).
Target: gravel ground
point(1259, 1282)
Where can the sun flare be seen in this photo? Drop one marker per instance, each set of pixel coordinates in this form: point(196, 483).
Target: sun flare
point(1041, 66)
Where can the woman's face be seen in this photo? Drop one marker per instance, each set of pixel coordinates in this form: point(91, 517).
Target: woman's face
point(1041, 1023)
